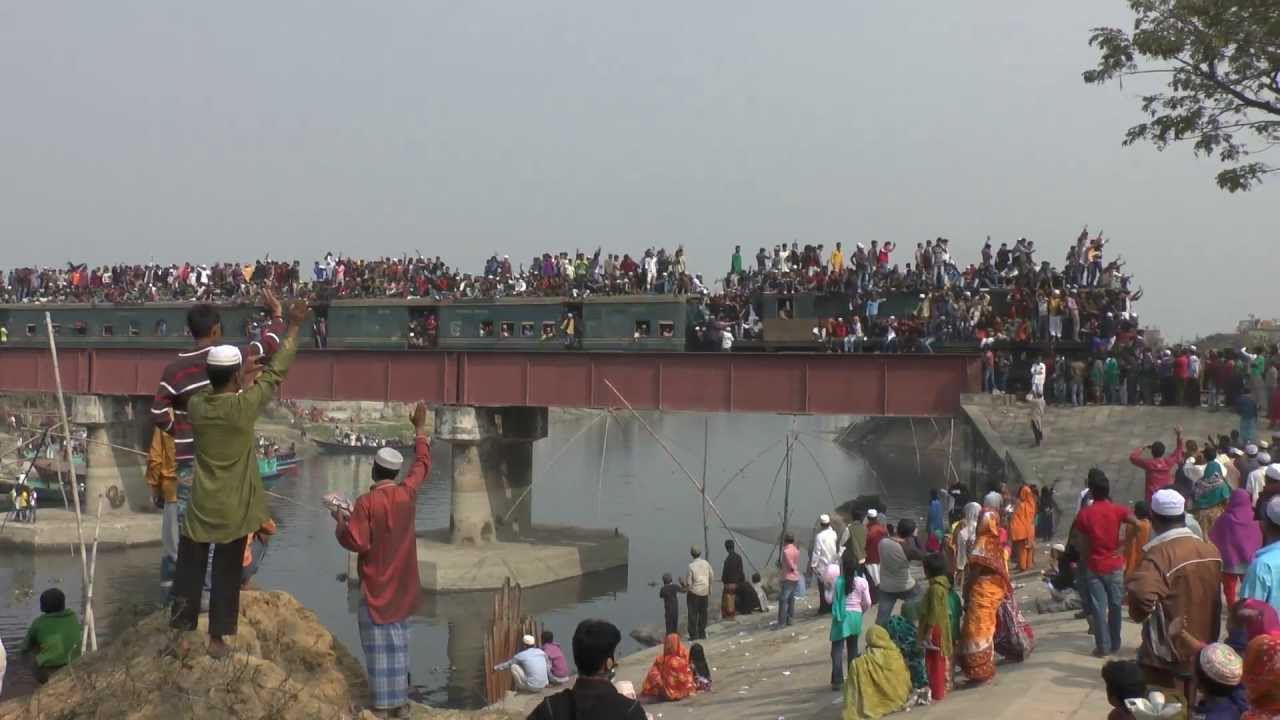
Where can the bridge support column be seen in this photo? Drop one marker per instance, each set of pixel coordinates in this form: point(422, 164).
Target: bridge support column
point(492, 452)
point(117, 475)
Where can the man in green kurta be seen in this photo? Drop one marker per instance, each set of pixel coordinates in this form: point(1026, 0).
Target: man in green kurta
point(227, 498)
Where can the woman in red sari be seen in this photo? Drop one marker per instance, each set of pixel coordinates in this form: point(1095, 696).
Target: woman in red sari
point(986, 586)
point(670, 678)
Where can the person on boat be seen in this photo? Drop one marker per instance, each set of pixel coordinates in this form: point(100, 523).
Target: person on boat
point(380, 528)
point(227, 499)
point(171, 463)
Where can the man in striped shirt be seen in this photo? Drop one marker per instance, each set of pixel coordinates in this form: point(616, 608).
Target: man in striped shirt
point(185, 376)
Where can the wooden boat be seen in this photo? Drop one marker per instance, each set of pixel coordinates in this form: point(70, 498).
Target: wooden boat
point(273, 469)
point(333, 447)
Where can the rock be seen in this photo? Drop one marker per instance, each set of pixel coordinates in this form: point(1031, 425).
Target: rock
point(286, 666)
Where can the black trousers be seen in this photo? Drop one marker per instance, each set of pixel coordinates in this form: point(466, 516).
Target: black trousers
point(672, 617)
point(224, 596)
point(697, 616)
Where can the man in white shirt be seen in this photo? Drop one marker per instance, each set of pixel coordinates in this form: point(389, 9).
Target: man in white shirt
point(530, 668)
point(825, 552)
point(698, 586)
point(1037, 377)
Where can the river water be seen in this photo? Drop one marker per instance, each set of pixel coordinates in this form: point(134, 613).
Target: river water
point(641, 492)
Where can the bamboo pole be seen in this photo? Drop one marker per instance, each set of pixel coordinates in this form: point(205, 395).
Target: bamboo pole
point(604, 448)
point(706, 452)
point(92, 638)
point(786, 497)
point(915, 443)
point(71, 467)
point(687, 474)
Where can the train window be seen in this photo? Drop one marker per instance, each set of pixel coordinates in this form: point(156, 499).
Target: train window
point(548, 329)
point(785, 310)
point(508, 329)
point(133, 329)
point(31, 329)
point(57, 328)
point(486, 328)
point(455, 328)
point(186, 330)
point(642, 329)
point(80, 328)
point(666, 328)
point(108, 330)
point(526, 329)
point(162, 327)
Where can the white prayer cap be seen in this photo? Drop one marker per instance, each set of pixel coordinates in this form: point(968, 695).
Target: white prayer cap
point(1273, 509)
point(389, 458)
point(1273, 471)
point(873, 513)
point(993, 500)
point(1234, 452)
point(825, 519)
point(1264, 458)
point(1168, 503)
point(1250, 449)
point(529, 640)
point(1058, 547)
point(223, 356)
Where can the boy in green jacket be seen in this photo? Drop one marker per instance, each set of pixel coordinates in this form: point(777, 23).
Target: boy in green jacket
point(54, 637)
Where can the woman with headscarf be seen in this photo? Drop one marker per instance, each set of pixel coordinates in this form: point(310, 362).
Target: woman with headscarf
point(986, 586)
point(670, 677)
point(935, 522)
point(1211, 495)
point(1237, 536)
point(851, 598)
point(966, 535)
point(878, 682)
point(936, 626)
point(1247, 620)
point(1261, 678)
point(1022, 529)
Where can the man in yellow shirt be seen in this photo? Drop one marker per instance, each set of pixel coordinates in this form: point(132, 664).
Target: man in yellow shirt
point(837, 259)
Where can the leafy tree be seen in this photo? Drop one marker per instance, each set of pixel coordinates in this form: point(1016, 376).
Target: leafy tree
point(1222, 61)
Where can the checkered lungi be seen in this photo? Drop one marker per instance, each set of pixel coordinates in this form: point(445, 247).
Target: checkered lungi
point(386, 656)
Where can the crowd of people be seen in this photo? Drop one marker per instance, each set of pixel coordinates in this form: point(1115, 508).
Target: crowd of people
point(1007, 295)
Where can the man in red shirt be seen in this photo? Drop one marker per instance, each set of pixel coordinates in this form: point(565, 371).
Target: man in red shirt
point(380, 528)
point(1158, 467)
point(1096, 534)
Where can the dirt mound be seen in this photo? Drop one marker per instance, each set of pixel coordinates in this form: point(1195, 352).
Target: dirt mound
point(286, 666)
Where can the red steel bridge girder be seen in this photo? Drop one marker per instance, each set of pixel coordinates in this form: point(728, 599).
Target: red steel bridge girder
point(820, 384)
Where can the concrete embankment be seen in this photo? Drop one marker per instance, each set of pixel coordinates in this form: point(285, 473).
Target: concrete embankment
point(1078, 439)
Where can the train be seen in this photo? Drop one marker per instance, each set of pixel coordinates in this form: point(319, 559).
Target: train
point(627, 323)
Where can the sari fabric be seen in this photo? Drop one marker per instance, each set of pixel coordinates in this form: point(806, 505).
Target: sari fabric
point(878, 682)
point(936, 634)
point(670, 677)
point(903, 633)
point(987, 586)
point(1262, 677)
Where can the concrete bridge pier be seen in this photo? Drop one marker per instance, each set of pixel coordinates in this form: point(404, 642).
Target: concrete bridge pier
point(118, 475)
point(492, 452)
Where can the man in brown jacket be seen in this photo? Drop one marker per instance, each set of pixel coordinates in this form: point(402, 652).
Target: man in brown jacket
point(1178, 579)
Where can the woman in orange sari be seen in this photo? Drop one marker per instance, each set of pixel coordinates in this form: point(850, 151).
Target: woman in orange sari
point(670, 678)
point(1022, 528)
point(986, 586)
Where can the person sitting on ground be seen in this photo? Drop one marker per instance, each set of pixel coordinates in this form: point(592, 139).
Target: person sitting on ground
point(670, 678)
point(757, 587)
point(555, 656)
point(530, 668)
point(54, 637)
point(878, 682)
point(701, 668)
point(593, 696)
point(1124, 681)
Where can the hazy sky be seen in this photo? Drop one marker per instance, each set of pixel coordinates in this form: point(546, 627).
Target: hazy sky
point(207, 131)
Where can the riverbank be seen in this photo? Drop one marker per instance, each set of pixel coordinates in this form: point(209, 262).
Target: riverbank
point(761, 672)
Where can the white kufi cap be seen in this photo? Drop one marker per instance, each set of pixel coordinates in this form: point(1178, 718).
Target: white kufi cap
point(873, 513)
point(1273, 471)
point(1250, 449)
point(389, 458)
point(825, 519)
point(1168, 503)
point(223, 356)
point(529, 640)
point(1264, 458)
